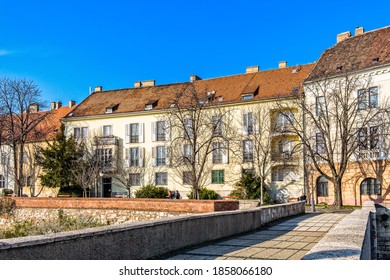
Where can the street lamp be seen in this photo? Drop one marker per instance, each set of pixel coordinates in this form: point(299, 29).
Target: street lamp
point(313, 208)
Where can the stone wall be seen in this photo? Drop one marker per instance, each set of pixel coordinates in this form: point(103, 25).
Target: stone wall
point(383, 231)
point(144, 240)
point(102, 216)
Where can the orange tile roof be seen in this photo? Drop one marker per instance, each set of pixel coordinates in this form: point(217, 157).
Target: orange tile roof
point(49, 122)
point(269, 84)
point(353, 54)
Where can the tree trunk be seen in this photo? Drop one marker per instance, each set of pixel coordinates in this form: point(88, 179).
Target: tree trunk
point(338, 198)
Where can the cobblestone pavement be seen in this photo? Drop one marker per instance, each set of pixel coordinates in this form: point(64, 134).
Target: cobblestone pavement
point(286, 240)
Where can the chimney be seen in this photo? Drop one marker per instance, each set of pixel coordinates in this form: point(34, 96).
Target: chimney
point(137, 84)
point(33, 108)
point(98, 88)
point(71, 103)
point(342, 36)
point(282, 64)
point(148, 83)
point(52, 105)
point(252, 69)
point(58, 105)
point(194, 78)
point(359, 31)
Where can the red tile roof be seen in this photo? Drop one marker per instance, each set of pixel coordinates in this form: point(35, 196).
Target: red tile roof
point(269, 84)
point(359, 52)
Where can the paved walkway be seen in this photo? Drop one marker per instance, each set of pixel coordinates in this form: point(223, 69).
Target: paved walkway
point(286, 240)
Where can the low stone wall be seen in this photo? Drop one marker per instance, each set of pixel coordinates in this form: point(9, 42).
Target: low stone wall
point(102, 216)
point(383, 232)
point(144, 240)
point(162, 205)
point(349, 240)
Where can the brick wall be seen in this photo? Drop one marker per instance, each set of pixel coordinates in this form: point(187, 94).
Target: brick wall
point(161, 205)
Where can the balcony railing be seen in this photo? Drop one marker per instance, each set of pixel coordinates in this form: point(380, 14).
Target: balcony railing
point(285, 157)
point(108, 140)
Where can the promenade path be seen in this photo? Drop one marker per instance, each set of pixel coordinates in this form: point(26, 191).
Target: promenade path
point(288, 239)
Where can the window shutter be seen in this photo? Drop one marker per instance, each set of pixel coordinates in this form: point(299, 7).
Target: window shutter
point(154, 131)
point(141, 157)
point(225, 152)
point(154, 156)
point(197, 153)
point(127, 137)
point(167, 131)
point(167, 154)
point(127, 157)
point(141, 132)
point(245, 124)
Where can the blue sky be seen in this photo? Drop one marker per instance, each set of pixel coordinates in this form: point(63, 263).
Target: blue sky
point(68, 46)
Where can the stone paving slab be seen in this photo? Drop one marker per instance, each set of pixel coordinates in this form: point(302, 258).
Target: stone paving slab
point(285, 240)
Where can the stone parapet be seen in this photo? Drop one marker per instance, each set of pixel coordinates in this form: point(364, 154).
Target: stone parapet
point(144, 240)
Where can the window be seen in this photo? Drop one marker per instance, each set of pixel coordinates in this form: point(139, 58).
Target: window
point(368, 138)
point(247, 147)
point(247, 96)
point(286, 147)
point(370, 186)
point(188, 129)
point(217, 176)
point(161, 178)
point(4, 159)
point(320, 105)
point(247, 123)
point(134, 157)
point(284, 121)
point(105, 158)
point(248, 171)
point(135, 179)
point(217, 125)
point(161, 155)
point(80, 133)
point(217, 152)
point(160, 131)
point(322, 186)
point(107, 130)
point(2, 181)
point(134, 133)
point(187, 153)
point(187, 177)
point(283, 174)
point(320, 143)
point(368, 98)
point(30, 181)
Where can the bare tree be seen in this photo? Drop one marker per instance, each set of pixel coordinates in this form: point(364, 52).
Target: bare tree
point(19, 100)
point(200, 128)
point(334, 112)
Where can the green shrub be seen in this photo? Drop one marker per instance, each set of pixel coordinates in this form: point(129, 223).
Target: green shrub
point(248, 187)
point(5, 192)
point(72, 191)
point(204, 193)
point(150, 191)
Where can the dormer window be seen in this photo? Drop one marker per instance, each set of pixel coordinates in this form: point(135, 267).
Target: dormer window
point(111, 109)
point(247, 96)
point(150, 105)
point(211, 95)
point(375, 59)
point(340, 67)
